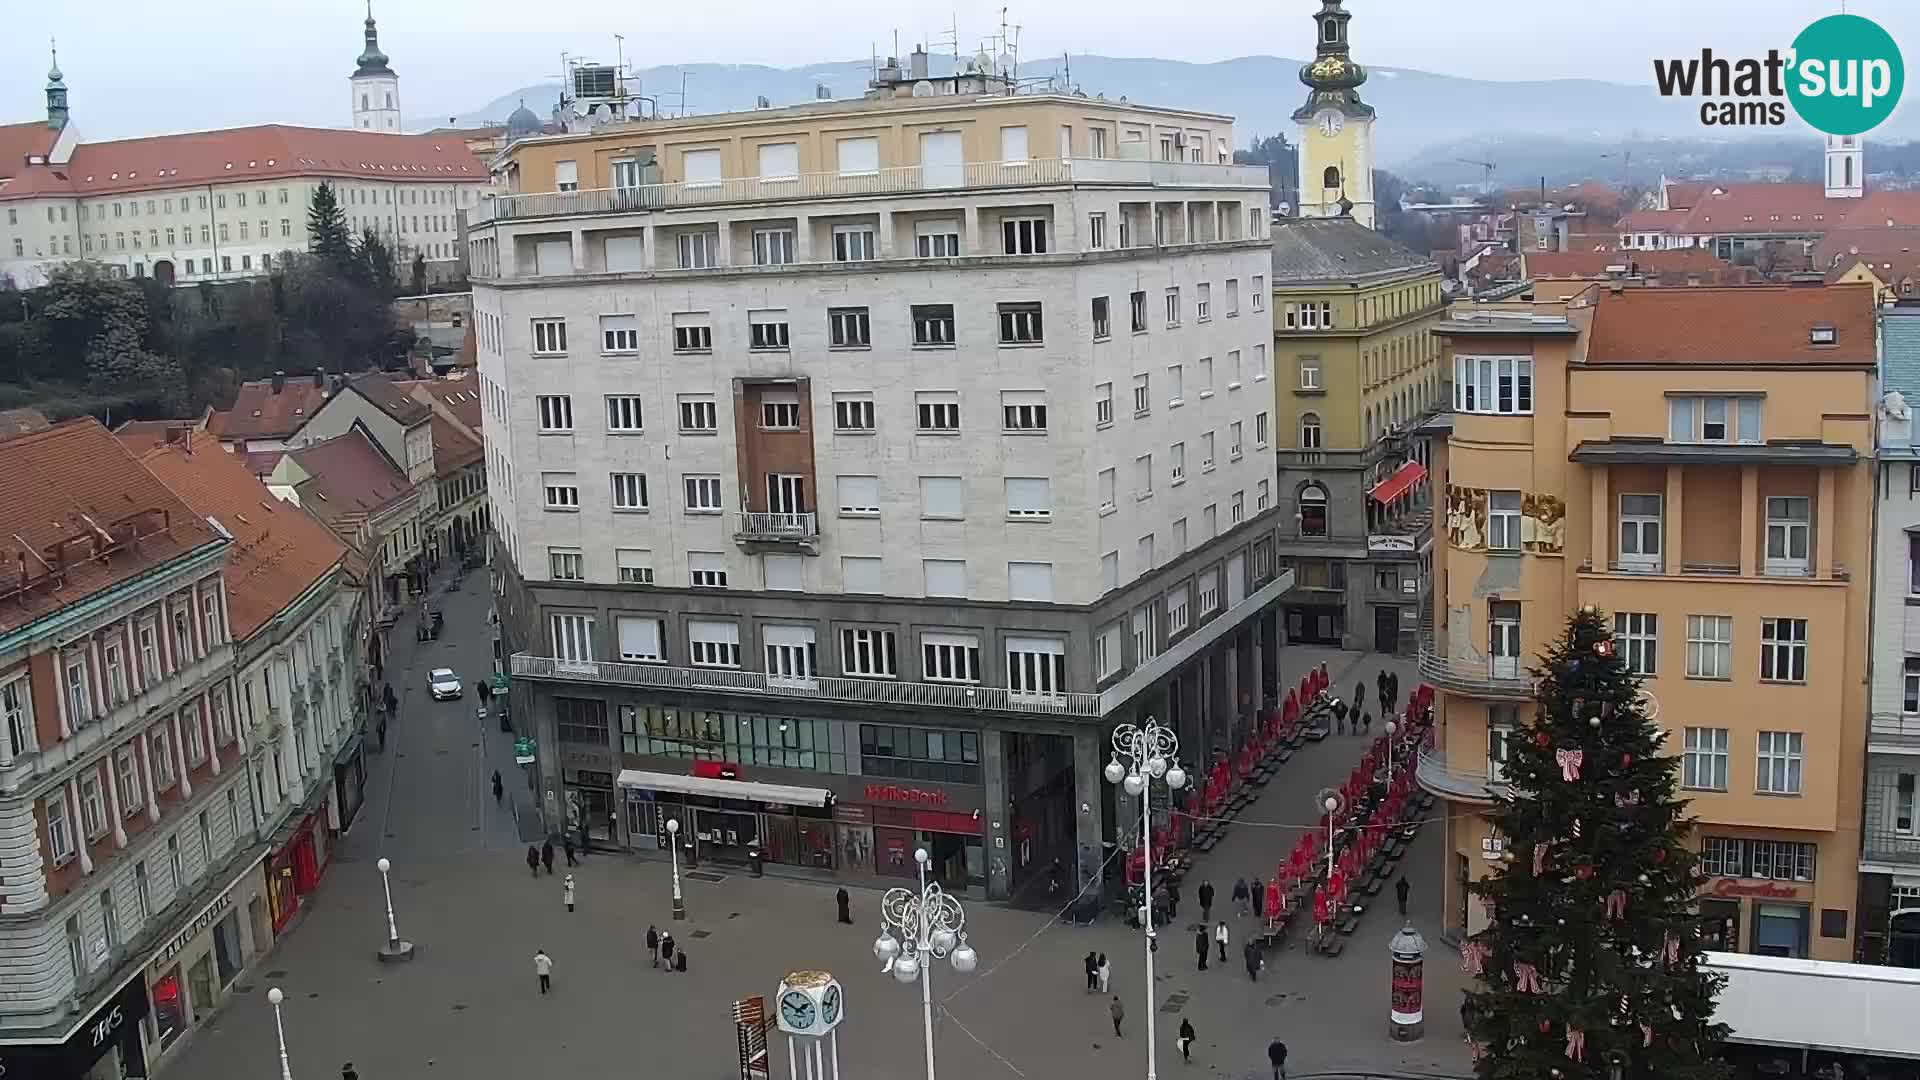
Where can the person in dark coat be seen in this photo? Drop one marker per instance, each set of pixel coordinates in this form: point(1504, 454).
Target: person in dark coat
point(567, 841)
point(533, 860)
point(1200, 946)
point(653, 946)
point(1093, 972)
point(347, 1072)
point(1205, 893)
point(388, 698)
point(1400, 891)
point(1254, 960)
point(498, 788)
point(666, 950)
point(1277, 1057)
point(1366, 724)
point(1186, 1039)
point(546, 856)
point(1173, 900)
point(1258, 894)
point(1339, 718)
point(845, 904)
point(1240, 903)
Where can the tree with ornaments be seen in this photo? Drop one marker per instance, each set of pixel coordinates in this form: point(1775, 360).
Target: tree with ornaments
point(1589, 966)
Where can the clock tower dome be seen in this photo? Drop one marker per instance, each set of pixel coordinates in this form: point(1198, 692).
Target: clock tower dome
point(1336, 127)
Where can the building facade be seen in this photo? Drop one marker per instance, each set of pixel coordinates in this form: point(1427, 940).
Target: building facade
point(807, 464)
point(1335, 126)
point(132, 857)
point(1357, 372)
point(1694, 462)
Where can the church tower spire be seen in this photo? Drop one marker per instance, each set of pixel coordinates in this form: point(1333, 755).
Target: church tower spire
point(57, 112)
point(376, 89)
point(1336, 127)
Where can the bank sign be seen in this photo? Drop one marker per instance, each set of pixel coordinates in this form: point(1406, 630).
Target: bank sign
point(1842, 75)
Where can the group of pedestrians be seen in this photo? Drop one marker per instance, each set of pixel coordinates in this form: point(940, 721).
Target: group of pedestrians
point(1098, 972)
point(542, 856)
point(1386, 689)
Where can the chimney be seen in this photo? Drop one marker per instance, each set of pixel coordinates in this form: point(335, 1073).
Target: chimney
point(279, 381)
point(821, 93)
point(179, 435)
point(917, 63)
point(320, 378)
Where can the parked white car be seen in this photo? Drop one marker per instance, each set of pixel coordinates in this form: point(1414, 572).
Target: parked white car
point(444, 684)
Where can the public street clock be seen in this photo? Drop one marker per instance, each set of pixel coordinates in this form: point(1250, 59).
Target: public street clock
point(1330, 122)
point(810, 1003)
point(797, 1011)
point(830, 1005)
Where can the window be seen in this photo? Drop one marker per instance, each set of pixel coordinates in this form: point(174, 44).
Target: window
point(1020, 324)
point(1029, 497)
point(1313, 510)
point(1713, 419)
point(867, 654)
point(1102, 320)
point(1138, 304)
point(1777, 860)
point(127, 782)
point(1173, 307)
point(1203, 302)
point(937, 410)
point(1640, 532)
point(1263, 498)
point(1778, 762)
point(692, 333)
point(1142, 396)
point(853, 412)
point(941, 497)
point(635, 565)
point(1237, 509)
point(572, 637)
point(1096, 231)
point(1910, 685)
point(1024, 236)
point(1705, 766)
point(920, 754)
point(1260, 431)
point(933, 324)
point(706, 570)
point(1636, 635)
point(629, 491)
point(936, 239)
point(1106, 651)
point(1258, 292)
point(109, 913)
point(1499, 385)
point(1234, 441)
point(1030, 581)
point(1903, 805)
point(861, 573)
point(859, 495)
point(713, 644)
point(1783, 650)
point(1103, 417)
point(1109, 571)
point(566, 564)
point(1036, 667)
point(703, 494)
point(16, 708)
point(1143, 476)
point(1233, 297)
point(1209, 591)
point(1023, 410)
point(780, 412)
point(772, 247)
point(549, 336)
point(847, 328)
point(1309, 373)
point(556, 413)
point(1176, 386)
point(1503, 721)
point(563, 493)
point(853, 243)
point(950, 657)
point(699, 413)
point(1310, 434)
point(1206, 451)
point(623, 414)
point(61, 846)
point(858, 156)
point(1709, 646)
point(160, 750)
point(1503, 521)
point(1106, 489)
point(945, 577)
point(1177, 462)
point(698, 250)
point(792, 656)
point(1143, 554)
point(1788, 532)
point(93, 805)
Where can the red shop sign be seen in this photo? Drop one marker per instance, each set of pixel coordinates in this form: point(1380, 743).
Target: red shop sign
point(1766, 890)
point(894, 793)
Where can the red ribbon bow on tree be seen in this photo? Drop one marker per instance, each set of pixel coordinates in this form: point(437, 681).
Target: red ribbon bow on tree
point(1570, 762)
point(1576, 1044)
point(1526, 978)
point(1617, 904)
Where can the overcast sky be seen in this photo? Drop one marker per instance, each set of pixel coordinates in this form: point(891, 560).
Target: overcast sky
point(137, 68)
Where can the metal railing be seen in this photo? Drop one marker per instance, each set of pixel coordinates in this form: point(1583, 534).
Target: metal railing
point(1479, 676)
point(884, 692)
point(900, 180)
point(1450, 781)
point(766, 526)
point(1898, 729)
point(1883, 845)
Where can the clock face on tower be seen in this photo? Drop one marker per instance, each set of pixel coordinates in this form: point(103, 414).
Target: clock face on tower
point(796, 1010)
point(1330, 122)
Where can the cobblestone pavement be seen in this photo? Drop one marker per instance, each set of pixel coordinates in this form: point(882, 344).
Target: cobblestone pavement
point(469, 1007)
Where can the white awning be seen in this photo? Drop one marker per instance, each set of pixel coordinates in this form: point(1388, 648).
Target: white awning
point(724, 789)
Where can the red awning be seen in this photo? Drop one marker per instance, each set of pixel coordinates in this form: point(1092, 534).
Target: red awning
point(1399, 483)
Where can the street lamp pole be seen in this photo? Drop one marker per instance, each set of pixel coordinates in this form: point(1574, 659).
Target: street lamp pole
point(673, 844)
point(393, 932)
point(1330, 804)
point(1151, 754)
point(1392, 727)
point(274, 997)
point(917, 928)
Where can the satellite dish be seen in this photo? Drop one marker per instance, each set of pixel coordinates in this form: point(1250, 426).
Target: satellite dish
point(982, 62)
point(923, 88)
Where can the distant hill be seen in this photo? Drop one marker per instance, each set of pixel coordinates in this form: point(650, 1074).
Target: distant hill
point(1419, 111)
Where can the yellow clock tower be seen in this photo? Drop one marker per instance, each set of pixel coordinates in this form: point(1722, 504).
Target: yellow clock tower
point(1336, 127)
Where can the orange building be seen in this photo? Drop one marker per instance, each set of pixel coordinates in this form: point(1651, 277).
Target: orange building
point(1696, 463)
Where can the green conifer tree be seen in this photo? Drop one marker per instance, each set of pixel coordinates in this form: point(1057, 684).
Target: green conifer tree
point(327, 234)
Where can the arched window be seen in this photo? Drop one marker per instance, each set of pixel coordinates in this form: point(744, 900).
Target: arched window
point(1331, 177)
point(1310, 431)
point(389, 101)
point(1369, 425)
point(1313, 510)
point(363, 102)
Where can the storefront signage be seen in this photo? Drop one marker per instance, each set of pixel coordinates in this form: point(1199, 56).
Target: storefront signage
point(1382, 543)
point(1492, 848)
point(88, 1043)
point(523, 751)
point(1764, 890)
point(200, 922)
point(894, 793)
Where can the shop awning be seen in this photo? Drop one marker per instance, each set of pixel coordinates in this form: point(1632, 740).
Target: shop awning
point(1399, 483)
point(724, 789)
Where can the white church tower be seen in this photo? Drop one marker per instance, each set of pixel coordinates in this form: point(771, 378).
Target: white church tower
point(1846, 167)
point(376, 89)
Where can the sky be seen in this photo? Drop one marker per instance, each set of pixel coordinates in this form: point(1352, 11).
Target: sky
point(136, 68)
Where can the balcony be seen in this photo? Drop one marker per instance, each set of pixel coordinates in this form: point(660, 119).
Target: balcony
point(903, 180)
point(1465, 784)
point(879, 692)
point(1884, 850)
point(1487, 677)
point(756, 530)
point(1896, 733)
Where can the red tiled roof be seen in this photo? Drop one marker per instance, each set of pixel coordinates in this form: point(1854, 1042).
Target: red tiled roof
point(1736, 326)
point(1765, 208)
point(259, 412)
point(1649, 221)
point(264, 152)
point(278, 551)
point(1594, 264)
point(460, 396)
point(347, 474)
point(57, 488)
point(1900, 244)
point(20, 141)
point(391, 398)
point(453, 449)
point(1884, 209)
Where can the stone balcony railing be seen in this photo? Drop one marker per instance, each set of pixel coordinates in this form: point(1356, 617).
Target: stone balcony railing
point(1451, 780)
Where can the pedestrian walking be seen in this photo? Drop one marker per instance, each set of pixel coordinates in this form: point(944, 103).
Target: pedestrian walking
point(1360, 695)
point(347, 1072)
point(1105, 972)
point(1366, 724)
point(1119, 1013)
point(543, 967)
point(566, 892)
point(1205, 893)
point(1200, 946)
point(388, 699)
point(1380, 687)
point(567, 841)
point(1173, 901)
point(653, 946)
point(1393, 689)
point(1221, 937)
point(583, 838)
point(1339, 718)
point(1277, 1057)
point(1186, 1039)
point(546, 856)
point(1092, 964)
point(845, 905)
point(1254, 961)
point(1466, 1016)
point(1400, 891)
point(666, 949)
point(498, 787)
point(1240, 895)
point(533, 859)
point(1258, 894)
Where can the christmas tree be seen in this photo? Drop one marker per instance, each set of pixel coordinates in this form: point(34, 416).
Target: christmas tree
point(1589, 966)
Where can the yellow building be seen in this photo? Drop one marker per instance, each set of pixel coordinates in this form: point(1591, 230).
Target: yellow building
point(1696, 463)
point(1358, 373)
point(1336, 127)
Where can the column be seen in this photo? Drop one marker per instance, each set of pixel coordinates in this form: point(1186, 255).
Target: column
point(724, 256)
point(649, 247)
point(180, 756)
point(1236, 686)
point(577, 244)
point(1257, 666)
point(1823, 511)
point(802, 239)
point(144, 751)
point(163, 630)
point(1270, 631)
point(114, 809)
point(60, 693)
point(206, 727)
point(79, 827)
point(883, 241)
point(971, 242)
point(1749, 519)
point(1599, 518)
point(1220, 699)
point(1088, 835)
point(135, 686)
point(99, 672)
point(993, 769)
point(1671, 516)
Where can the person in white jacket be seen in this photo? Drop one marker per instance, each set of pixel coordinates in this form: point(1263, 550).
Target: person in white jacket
point(566, 892)
point(543, 967)
point(1221, 937)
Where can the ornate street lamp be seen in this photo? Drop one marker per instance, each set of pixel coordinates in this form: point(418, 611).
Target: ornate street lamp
point(274, 997)
point(1149, 752)
point(673, 844)
point(917, 928)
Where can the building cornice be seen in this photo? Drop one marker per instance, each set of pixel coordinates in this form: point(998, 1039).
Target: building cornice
point(64, 623)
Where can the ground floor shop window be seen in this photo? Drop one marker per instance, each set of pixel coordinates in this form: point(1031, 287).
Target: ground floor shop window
point(956, 860)
point(1780, 929)
point(226, 947)
point(170, 1016)
point(1720, 924)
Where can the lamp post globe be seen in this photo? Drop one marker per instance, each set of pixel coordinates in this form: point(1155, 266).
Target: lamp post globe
point(964, 958)
point(1331, 804)
point(885, 948)
point(1157, 765)
point(384, 865)
point(907, 967)
point(1134, 784)
point(1176, 777)
point(1115, 771)
point(275, 997)
point(920, 856)
point(673, 826)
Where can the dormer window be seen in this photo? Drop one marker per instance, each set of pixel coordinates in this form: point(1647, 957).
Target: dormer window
point(1823, 335)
